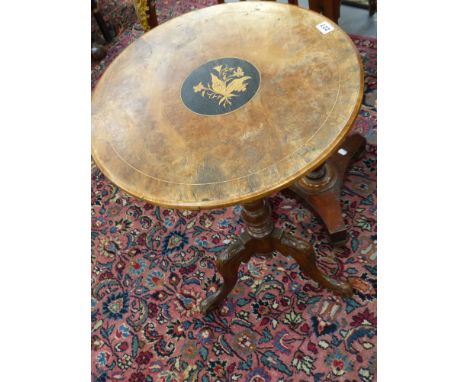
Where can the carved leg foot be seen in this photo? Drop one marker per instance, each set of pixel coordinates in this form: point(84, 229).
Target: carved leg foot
point(320, 190)
point(304, 255)
point(228, 264)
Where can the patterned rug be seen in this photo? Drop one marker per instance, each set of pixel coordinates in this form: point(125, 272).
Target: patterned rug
point(152, 266)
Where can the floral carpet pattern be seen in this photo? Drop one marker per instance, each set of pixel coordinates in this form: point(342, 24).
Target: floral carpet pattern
point(152, 266)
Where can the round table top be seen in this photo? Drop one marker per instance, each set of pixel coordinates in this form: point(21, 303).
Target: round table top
point(225, 104)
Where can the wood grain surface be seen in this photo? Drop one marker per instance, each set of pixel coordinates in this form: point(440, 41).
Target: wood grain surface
point(150, 144)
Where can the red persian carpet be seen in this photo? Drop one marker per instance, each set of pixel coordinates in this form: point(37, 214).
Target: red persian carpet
point(152, 266)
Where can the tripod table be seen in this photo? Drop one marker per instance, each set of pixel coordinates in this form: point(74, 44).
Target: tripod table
point(227, 105)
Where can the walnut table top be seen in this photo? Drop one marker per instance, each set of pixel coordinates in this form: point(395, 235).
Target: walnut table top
point(225, 105)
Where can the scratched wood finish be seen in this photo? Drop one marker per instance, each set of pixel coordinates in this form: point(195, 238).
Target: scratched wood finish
point(151, 145)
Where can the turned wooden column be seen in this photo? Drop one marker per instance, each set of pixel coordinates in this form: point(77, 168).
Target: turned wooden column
point(257, 218)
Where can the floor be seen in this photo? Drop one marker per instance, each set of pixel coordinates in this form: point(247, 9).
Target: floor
point(353, 20)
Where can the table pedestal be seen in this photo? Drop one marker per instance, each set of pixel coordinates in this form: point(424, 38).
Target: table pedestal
point(320, 189)
point(261, 237)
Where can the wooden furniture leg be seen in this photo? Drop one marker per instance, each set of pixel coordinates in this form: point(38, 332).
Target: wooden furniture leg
point(320, 189)
point(146, 13)
point(260, 237)
point(372, 7)
point(329, 8)
point(228, 264)
point(105, 30)
point(304, 255)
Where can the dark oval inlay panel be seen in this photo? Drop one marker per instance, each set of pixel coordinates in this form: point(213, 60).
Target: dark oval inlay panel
point(220, 86)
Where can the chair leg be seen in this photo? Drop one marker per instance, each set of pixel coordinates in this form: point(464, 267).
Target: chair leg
point(331, 9)
point(314, 5)
point(372, 7)
point(153, 17)
point(100, 21)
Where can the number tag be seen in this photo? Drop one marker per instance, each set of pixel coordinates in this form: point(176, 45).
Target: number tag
point(324, 27)
point(342, 152)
